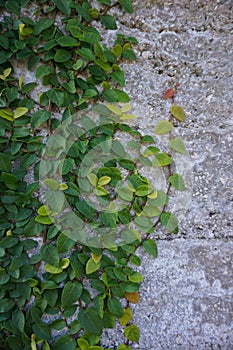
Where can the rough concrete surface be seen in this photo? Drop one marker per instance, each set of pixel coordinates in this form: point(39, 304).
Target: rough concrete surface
point(187, 295)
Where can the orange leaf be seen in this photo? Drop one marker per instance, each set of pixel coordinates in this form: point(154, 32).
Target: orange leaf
point(169, 93)
point(132, 297)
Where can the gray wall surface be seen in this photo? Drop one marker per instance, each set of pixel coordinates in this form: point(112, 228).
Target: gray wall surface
point(186, 299)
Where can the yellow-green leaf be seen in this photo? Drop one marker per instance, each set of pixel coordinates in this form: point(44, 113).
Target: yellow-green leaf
point(53, 269)
point(104, 180)
point(177, 112)
point(6, 114)
point(127, 316)
point(126, 108)
point(52, 184)
point(93, 179)
point(178, 145)
point(96, 257)
point(6, 73)
point(100, 191)
point(114, 108)
point(153, 195)
point(20, 111)
point(63, 187)
point(21, 82)
point(64, 263)
point(44, 210)
point(127, 116)
point(91, 266)
point(163, 127)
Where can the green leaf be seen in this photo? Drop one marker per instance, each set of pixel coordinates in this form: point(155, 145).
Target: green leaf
point(109, 22)
point(5, 163)
point(50, 254)
point(177, 112)
point(67, 41)
point(56, 96)
point(10, 181)
point(11, 93)
point(20, 111)
point(121, 96)
point(63, 6)
point(127, 5)
point(90, 321)
point(91, 266)
point(135, 277)
point(64, 244)
point(163, 127)
point(151, 247)
point(42, 330)
point(70, 294)
point(39, 118)
point(126, 317)
point(151, 211)
point(132, 333)
point(6, 305)
point(64, 342)
point(115, 307)
point(178, 145)
point(62, 55)
point(108, 219)
point(42, 24)
point(86, 53)
point(177, 181)
point(125, 193)
point(119, 77)
point(162, 159)
point(18, 320)
point(169, 221)
point(129, 55)
point(44, 70)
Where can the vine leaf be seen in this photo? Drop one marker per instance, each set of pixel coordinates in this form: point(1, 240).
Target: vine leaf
point(150, 247)
point(177, 181)
point(63, 6)
point(177, 112)
point(132, 333)
point(163, 127)
point(178, 145)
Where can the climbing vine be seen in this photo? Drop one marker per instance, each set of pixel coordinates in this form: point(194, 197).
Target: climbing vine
point(75, 205)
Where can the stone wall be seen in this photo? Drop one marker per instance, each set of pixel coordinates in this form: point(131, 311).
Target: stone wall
point(187, 296)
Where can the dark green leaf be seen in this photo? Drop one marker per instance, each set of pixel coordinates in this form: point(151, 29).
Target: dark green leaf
point(90, 321)
point(42, 330)
point(39, 118)
point(86, 53)
point(127, 5)
point(43, 71)
point(64, 342)
point(5, 162)
point(115, 307)
point(50, 254)
point(151, 247)
point(62, 56)
point(129, 55)
point(109, 22)
point(67, 41)
point(42, 24)
point(70, 294)
point(63, 6)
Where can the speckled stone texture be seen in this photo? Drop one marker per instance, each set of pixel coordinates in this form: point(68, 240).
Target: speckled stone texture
point(187, 295)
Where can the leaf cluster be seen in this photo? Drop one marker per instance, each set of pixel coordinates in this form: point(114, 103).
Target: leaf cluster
point(45, 270)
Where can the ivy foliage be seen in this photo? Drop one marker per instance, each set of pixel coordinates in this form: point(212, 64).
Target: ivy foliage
point(51, 281)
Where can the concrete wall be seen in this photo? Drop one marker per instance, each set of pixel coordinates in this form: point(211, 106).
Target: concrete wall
point(187, 296)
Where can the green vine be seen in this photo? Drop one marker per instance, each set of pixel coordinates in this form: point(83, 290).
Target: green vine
point(75, 206)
